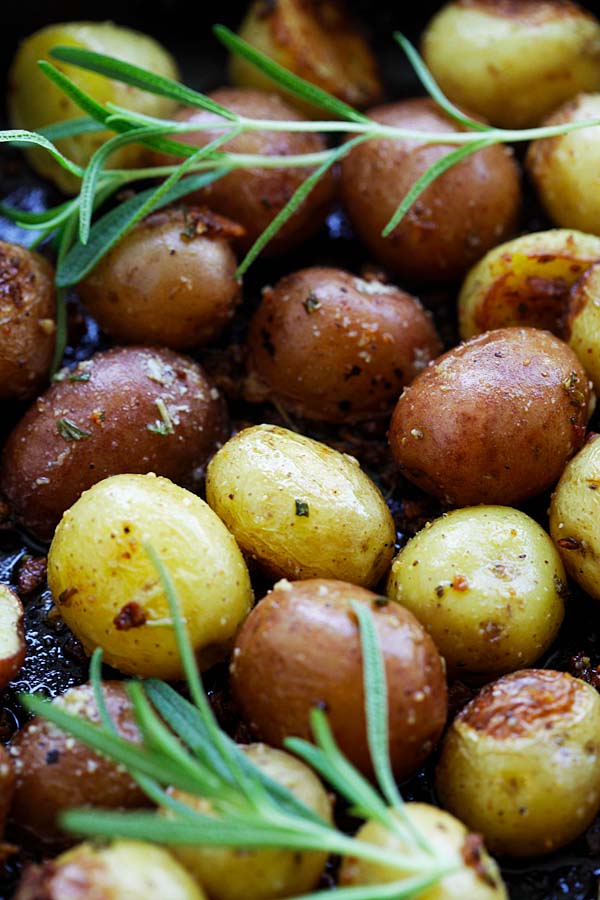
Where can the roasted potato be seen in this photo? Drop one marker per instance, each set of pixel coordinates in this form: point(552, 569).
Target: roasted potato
point(513, 62)
point(466, 211)
point(34, 101)
point(299, 508)
point(171, 281)
point(300, 648)
point(7, 786)
point(494, 420)
point(111, 596)
point(521, 763)
point(12, 635)
point(124, 410)
point(582, 325)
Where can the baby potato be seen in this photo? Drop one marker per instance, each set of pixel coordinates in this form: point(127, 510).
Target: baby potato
point(254, 196)
point(34, 101)
point(171, 281)
point(494, 420)
point(328, 345)
point(131, 409)
point(227, 874)
point(317, 41)
point(462, 214)
point(300, 648)
point(12, 635)
point(520, 764)
point(513, 62)
point(299, 508)
point(476, 877)
point(564, 169)
point(56, 772)
point(111, 596)
point(526, 282)
point(583, 323)
point(123, 870)
point(7, 786)
point(27, 321)
point(487, 583)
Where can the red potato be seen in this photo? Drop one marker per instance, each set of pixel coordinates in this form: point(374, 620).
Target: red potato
point(12, 635)
point(7, 786)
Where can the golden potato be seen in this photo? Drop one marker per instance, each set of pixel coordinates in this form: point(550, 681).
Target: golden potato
point(228, 874)
point(34, 101)
point(521, 763)
point(582, 325)
point(300, 648)
point(494, 420)
point(111, 595)
point(328, 345)
point(12, 635)
point(513, 62)
point(476, 877)
point(487, 583)
point(317, 41)
point(464, 213)
point(299, 508)
point(526, 282)
point(564, 169)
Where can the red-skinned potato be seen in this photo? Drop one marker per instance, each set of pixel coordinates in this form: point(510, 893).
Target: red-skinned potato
point(330, 346)
point(494, 420)
point(300, 648)
point(7, 786)
point(130, 409)
point(12, 635)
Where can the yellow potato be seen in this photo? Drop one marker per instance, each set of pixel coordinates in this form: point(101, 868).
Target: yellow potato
point(583, 323)
point(34, 101)
point(525, 282)
point(109, 593)
point(513, 62)
point(487, 584)
point(299, 508)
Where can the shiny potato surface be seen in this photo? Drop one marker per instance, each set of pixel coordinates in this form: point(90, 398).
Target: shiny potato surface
point(300, 509)
point(526, 282)
point(171, 281)
point(35, 102)
point(300, 648)
point(112, 596)
point(466, 211)
point(55, 772)
point(253, 196)
point(582, 327)
point(27, 321)
point(513, 62)
point(12, 635)
point(131, 409)
point(494, 420)
point(261, 874)
point(330, 346)
point(488, 584)
point(317, 41)
point(476, 877)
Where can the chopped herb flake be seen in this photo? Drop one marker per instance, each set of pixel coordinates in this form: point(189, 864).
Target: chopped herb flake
point(70, 431)
point(311, 303)
point(164, 425)
point(80, 376)
point(302, 508)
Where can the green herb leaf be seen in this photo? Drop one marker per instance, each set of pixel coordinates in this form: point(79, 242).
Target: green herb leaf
point(71, 128)
point(19, 136)
point(70, 431)
point(302, 508)
point(165, 425)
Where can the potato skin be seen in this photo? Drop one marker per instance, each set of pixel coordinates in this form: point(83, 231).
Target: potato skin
point(464, 213)
point(299, 508)
point(513, 61)
point(487, 584)
point(582, 325)
point(521, 763)
point(300, 647)
point(330, 346)
point(27, 321)
point(55, 772)
point(526, 282)
point(253, 197)
point(7, 786)
point(494, 420)
point(12, 635)
point(112, 597)
point(171, 281)
point(112, 398)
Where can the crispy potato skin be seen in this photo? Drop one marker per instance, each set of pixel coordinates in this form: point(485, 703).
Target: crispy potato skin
point(300, 647)
point(253, 197)
point(330, 346)
point(494, 420)
point(520, 764)
point(513, 61)
point(55, 772)
point(464, 213)
point(171, 281)
point(42, 473)
point(27, 321)
point(12, 635)
point(582, 325)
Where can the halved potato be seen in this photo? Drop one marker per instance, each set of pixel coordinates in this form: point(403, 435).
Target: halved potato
point(12, 635)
